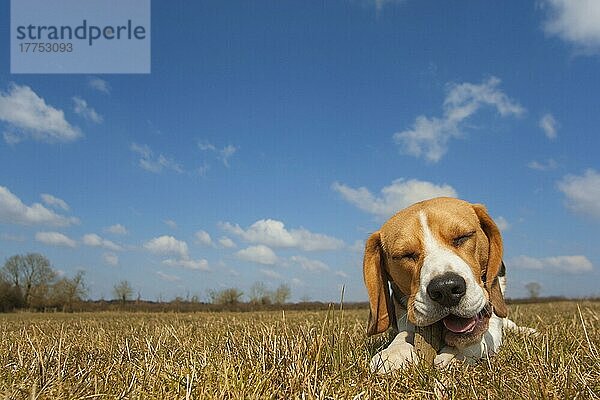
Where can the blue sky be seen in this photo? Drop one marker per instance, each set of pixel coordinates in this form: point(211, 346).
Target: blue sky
point(272, 137)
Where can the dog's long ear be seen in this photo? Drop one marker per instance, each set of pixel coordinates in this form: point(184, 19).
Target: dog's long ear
point(494, 261)
point(381, 312)
point(497, 295)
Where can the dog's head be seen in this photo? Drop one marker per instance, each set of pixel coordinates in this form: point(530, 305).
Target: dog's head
point(444, 255)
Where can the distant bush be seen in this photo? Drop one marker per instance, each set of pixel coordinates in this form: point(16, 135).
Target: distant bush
point(68, 292)
point(260, 295)
point(10, 297)
point(123, 291)
point(225, 296)
point(282, 294)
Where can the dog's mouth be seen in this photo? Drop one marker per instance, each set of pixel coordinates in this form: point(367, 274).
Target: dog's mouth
point(460, 332)
point(461, 325)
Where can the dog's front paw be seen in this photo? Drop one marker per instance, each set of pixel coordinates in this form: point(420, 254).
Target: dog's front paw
point(444, 359)
point(393, 358)
point(526, 331)
point(509, 325)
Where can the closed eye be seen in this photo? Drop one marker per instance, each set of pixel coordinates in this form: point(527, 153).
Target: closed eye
point(412, 256)
point(462, 239)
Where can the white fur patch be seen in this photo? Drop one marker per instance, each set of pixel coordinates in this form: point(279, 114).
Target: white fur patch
point(439, 260)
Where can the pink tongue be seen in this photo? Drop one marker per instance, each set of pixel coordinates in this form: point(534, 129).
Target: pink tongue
point(459, 325)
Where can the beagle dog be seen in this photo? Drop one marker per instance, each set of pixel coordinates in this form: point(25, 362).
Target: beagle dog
point(442, 259)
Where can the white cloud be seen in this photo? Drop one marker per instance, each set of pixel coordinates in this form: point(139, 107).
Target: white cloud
point(582, 192)
point(164, 245)
point(168, 277)
point(82, 108)
point(55, 202)
point(398, 195)
point(259, 254)
point(269, 273)
point(13, 211)
point(549, 125)
point(116, 229)
point(200, 265)
point(429, 137)
point(204, 238)
point(111, 259)
point(298, 282)
point(358, 246)
point(576, 22)
point(309, 264)
point(274, 233)
point(526, 262)
point(202, 170)
point(223, 154)
point(99, 84)
point(152, 163)
point(341, 274)
point(232, 272)
point(93, 240)
point(548, 165)
point(226, 242)
point(205, 146)
point(571, 264)
point(12, 238)
point(502, 223)
point(309, 241)
point(231, 228)
point(55, 239)
point(12, 138)
point(28, 116)
point(171, 224)
point(380, 4)
point(226, 153)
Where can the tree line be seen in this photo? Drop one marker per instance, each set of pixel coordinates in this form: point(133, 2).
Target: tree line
point(29, 282)
point(259, 295)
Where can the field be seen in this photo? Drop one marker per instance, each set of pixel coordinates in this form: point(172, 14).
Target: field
point(281, 355)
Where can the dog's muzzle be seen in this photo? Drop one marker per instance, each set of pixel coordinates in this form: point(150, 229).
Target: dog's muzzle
point(460, 331)
point(447, 290)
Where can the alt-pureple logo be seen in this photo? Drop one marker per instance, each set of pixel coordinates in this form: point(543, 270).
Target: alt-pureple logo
point(75, 36)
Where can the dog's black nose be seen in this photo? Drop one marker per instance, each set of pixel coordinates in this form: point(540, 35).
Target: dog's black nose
point(447, 289)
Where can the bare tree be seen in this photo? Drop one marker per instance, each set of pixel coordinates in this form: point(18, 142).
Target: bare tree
point(68, 291)
point(12, 270)
point(259, 294)
point(31, 275)
point(225, 296)
point(282, 294)
point(305, 299)
point(534, 289)
point(123, 291)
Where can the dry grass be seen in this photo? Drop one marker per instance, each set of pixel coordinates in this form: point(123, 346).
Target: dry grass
point(275, 355)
